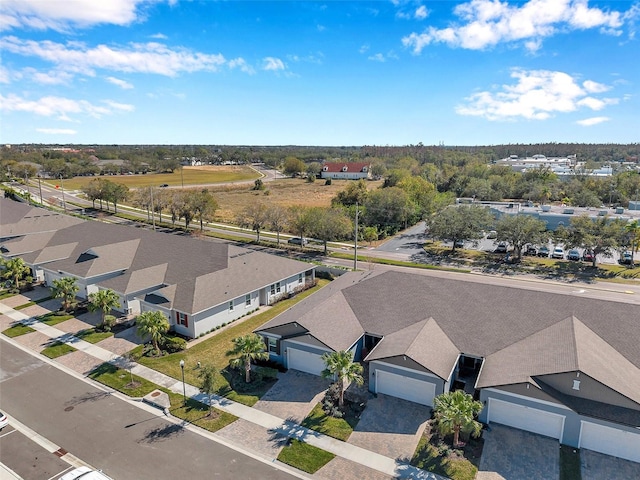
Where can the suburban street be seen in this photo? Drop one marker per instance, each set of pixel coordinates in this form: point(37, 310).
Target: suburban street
point(123, 440)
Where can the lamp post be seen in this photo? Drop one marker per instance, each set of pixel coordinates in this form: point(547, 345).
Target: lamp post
point(184, 387)
point(40, 189)
point(64, 203)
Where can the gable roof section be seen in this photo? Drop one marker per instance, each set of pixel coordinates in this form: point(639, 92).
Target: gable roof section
point(18, 219)
point(351, 167)
point(425, 343)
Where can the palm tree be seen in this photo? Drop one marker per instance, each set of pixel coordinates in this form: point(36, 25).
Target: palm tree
point(15, 270)
point(633, 230)
point(249, 347)
point(66, 289)
point(208, 376)
point(153, 324)
point(105, 301)
point(340, 365)
point(455, 412)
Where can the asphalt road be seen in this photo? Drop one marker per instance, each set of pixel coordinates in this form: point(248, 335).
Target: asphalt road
point(111, 434)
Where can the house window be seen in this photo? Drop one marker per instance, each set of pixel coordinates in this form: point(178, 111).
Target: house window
point(273, 289)
point(299, 278)
point(273, 345)
point(182, 319)
point(576, 384)
point(231, 306)
point(345, 168)
point(278, 287)
point(247, 300)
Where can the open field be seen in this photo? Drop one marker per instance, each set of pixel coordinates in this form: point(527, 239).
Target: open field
point(201, 175)
point(285, 192)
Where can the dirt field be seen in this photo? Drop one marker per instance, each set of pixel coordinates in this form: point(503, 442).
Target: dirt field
point(285, 192)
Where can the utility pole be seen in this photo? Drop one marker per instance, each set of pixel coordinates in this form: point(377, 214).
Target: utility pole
point(355, 243)
point(153, 213)
point(40, 188)
point(64, 203)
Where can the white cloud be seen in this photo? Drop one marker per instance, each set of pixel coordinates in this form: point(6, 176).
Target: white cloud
point(120, 83)
point(486, 23)
point(378, 57)
point(60, 107)
point(52, 77)
point(421, 12)
point(594, 87)
point(123, 107)
point(242, 65)
point(272, 63)
point(159, 36)
point(136, 57)
point(588, 122)
point(536, 95)
point(364, 48)
point(321, 28)
point(62, 14)
point(57, 131)
point(5, 75)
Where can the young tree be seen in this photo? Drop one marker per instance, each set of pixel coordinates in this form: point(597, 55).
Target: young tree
point(208, 375)
point(104, 301)
point(204, 205)
point(14, 270)
point(277, 218)
point(354, 192)
point(66, 289)
point(293, 166)
point(329, 225)
point(463, 222)
point(254, 216)
point(249, 347)
point(153, 324)
point(455, 412)
point(340, 365)
point(632, 230)
point(389, 209)
point(519, 230)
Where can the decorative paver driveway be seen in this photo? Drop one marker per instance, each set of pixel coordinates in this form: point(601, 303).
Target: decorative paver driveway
point(253, 437)
point(121, 342)
point(343, 469)
point(293, 396)
point(515, 455)
point(597, 466)
point(391, 427)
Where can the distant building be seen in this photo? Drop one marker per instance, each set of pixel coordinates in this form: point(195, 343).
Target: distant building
point(346, 170)
point(564, 167)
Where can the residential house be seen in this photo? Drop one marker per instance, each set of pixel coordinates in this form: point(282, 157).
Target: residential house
point(555, 364)
point(346, 170)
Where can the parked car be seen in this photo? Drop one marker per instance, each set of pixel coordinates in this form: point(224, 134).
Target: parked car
point(625, 258)
point(164, 185)
point(459, 243)
point(543, 252)
point(4, 421)
point(531, 250)
point(502, 247)
point(85, 473)
point(573, 255)
point(558, 253)
point(492, 235)
point(587, 256)
point(298, 241)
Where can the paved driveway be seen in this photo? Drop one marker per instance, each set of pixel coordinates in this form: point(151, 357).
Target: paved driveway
point(513, 454)
point(391, 427)
point(293, 396)
point(596, 466)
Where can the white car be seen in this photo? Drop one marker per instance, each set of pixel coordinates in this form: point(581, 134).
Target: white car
point(558, 252)
point(4, 421)
point(85, 473)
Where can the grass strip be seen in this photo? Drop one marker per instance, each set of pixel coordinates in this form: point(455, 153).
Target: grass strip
point(90, 335)
point(398, 263)
point(54, 318)
point(57, 349)
point(319, 421)
point(305, 457)
point(17, 330)
point(570, 463)
point(24, 305)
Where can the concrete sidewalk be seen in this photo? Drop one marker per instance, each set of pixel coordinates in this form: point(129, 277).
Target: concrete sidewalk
point(272, 424)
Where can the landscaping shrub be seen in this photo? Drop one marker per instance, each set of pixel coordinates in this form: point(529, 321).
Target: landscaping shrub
point(107, 325)
point(173, 344)
point(267, 373)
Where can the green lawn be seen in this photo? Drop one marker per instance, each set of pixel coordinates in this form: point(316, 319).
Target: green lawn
point(213, 351)
point(340, 428)
point(24, 305)
point(570, 463)
point(193, 412)
point(54, 318)
point(57, 349)
point(17, 330)
point(90, 335)
point(305, 457)
point(6, 294)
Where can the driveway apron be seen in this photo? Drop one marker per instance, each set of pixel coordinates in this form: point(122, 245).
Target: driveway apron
point(596, 466)
point(515, 455)
point(391, 427)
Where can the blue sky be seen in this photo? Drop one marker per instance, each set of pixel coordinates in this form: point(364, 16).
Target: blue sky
point(396, 72)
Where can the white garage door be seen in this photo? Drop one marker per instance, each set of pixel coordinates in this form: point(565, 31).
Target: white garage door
point(406, 388)
point(610, 441)
point(305, 361)
point(526, 418)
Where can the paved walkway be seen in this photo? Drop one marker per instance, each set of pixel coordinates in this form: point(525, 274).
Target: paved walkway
point(271, 424)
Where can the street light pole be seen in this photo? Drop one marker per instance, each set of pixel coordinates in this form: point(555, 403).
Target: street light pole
point(40, 189)
point(184, 387)
point(64, 203)
point(355, 243)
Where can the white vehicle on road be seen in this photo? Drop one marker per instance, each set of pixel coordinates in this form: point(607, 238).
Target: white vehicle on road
point(85, 473)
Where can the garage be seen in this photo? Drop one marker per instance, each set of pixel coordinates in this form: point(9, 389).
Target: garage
point(407, 388)
point(610, 441)
point(526, 418)
point(305, 361)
